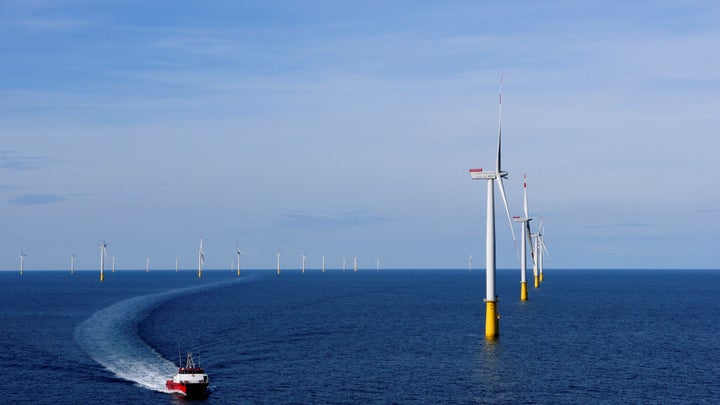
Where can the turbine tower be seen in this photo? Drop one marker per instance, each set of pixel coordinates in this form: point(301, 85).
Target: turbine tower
point(492, 317)
point(377, 264)
point(355, 263)
point(201, 257)
point(103, 254)
point(343, 264)
point(303, 263)
point(470, 263)
point(323, 264)
point(72, 263)
point(176, 264)
point(22, 261)
point(278, 254)
point(113, 264)
point(525, 224)
point(147, 264)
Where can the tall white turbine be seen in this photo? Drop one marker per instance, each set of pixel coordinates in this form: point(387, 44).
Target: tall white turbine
point(323, 264)
point(22, 261)
point(377, 264)
point(103, 254)
point(355, 263)
point(201, 257)
point(147, 264)
point(470, 263)
point(278, 254)
point(303, 263)
point(542, 249)
point(492, 317)
point(525, 224)
point(72, 263)
point(113, 264)
point(176, 264)
point(239, 253)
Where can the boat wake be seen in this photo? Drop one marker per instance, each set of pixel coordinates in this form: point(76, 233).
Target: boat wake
point(110, 337)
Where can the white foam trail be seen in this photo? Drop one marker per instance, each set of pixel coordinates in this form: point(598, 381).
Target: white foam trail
point(110, 337)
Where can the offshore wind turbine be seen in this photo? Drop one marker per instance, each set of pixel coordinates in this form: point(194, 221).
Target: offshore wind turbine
point(377, 264)
point(176, 264)
point(492, 317)
point(343, 264)
point(72, 263)
point(355, 263)
point(278, 254)
point(22, 261)
point(542, 249)
point(525, 224)
point(201, 257)
point(103, 254)
point(470, 262)
point(323, 264)
point(303, 263)
point(147, 264)
point(113, 264)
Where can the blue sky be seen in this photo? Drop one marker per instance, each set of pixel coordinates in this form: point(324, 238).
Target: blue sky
point(344, 128)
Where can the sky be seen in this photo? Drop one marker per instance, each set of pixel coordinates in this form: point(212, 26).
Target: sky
point(347, 128)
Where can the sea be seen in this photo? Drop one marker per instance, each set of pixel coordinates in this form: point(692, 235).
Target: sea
point(365, 337)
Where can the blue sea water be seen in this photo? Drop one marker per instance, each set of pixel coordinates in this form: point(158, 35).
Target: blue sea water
point(585, 336)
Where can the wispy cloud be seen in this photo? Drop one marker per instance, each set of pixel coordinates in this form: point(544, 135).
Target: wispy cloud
point(36, 199)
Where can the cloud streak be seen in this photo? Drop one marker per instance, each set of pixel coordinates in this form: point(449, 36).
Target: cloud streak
point(36, 199)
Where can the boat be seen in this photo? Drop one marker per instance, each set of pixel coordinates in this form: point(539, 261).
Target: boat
point(190, 381)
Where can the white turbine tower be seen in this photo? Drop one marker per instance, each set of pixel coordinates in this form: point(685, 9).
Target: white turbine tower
point(492, 317)
point(278, 254)
point(470, 263)
point(377, 264)
point(147, 264)
point(542, 249)
point(355, 263)
point(323, 264)
point(525, 224)
point(103, 254)
point(303, 263)
point(72, 263)
point(239, 253)
point(22, 261)
point(176, 264)
point(113, 264)
point(201, 257)
point(343, 264)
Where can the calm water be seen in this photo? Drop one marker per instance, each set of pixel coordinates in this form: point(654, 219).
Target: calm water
point(366, 337)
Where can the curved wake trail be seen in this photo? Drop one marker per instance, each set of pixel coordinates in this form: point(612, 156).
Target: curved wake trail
point(110, 337)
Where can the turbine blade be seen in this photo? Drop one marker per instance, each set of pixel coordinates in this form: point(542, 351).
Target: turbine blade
point(507, 210)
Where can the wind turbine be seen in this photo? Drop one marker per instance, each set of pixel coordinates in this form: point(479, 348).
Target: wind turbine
point(355, 263)
point(113, 264)
point(176, 264)
point(22, 261)
point(72, 263)
point(542, 249)
point(239, 253)
point(343, 264)
point(103, 254)
point(303, 263)
point(492, 317)
point(470, 262)
point(201, 257)
point(525, 224)
point(323, 264)
point(278, 254)
point(377, 264)
point(147, 264)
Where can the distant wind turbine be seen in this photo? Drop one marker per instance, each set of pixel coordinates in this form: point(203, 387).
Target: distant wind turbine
point(377, 264)
point(323, 264)
point(176, 264)
point(72, 263)
point(147, 264)
point(22, 261)
point(355, 263)
point(303, 263)
point(343, 264)
point(113, 264)
point(492, 317)
point(470, 263)
point(103, 255)
point(525, 224)
point(201, 257)
point(278, 254)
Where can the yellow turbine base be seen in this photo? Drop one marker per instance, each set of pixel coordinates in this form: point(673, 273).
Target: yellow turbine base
point(199, 274)
point(523, 291)
point(541, 277)
point(492, 320)
point(102, 277)
point(537, 282)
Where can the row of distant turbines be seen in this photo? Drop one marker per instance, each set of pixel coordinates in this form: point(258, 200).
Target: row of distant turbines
point(536, 242)
point(201, 261)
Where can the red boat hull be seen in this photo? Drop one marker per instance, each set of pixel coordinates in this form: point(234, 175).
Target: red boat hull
point(193, 390)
